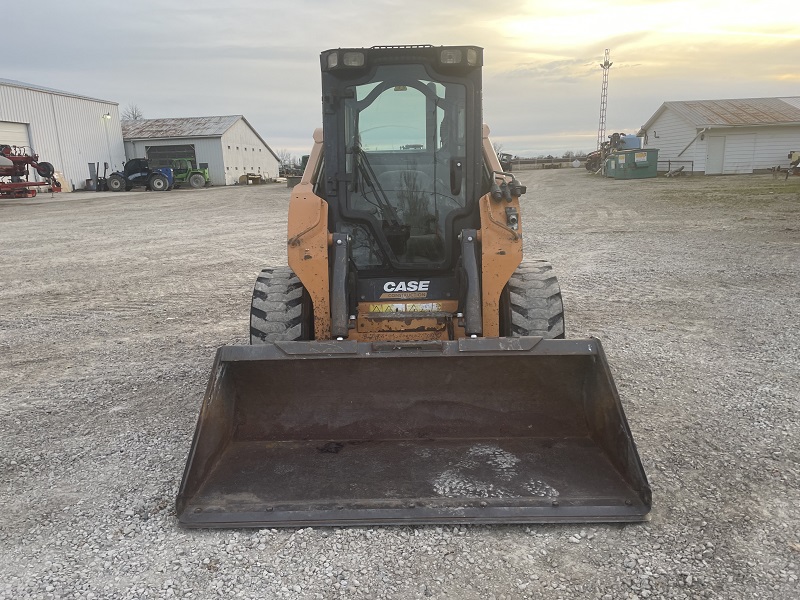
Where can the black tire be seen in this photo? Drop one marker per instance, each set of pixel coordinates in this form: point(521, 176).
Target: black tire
point(196, 181)
point(280, 309)
point(116, 183)
point(531, 303)
point(45, 170)
point(159, 183)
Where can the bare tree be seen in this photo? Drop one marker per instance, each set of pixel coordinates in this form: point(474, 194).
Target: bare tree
point(285, 157)
point(132, 113)
point(498, 147)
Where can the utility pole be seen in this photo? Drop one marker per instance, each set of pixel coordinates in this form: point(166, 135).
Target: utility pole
point(601, 130)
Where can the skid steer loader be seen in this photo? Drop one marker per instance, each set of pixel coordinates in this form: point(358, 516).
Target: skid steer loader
point(408, 365)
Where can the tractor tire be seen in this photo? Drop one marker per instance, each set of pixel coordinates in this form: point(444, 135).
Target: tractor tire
point(116, 183)
point(196, 181)
point(280, 309)
point(159, 183)
point(45, 170)
point(531, 302)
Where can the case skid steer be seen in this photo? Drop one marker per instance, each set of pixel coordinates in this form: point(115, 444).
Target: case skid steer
point(408, 365)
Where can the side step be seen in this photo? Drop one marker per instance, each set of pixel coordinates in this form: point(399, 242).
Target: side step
point(487, 430)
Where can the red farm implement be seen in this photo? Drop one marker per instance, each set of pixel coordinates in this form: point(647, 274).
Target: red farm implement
point(15, 170)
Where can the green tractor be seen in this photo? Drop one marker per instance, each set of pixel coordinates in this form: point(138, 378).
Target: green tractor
point(185, 172)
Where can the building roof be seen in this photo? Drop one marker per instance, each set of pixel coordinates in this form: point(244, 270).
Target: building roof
point(39, 88)
point(178, 128)
point(746, 112)
point(184, 127)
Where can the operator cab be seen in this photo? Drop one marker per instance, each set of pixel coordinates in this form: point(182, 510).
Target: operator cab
point(403, 152)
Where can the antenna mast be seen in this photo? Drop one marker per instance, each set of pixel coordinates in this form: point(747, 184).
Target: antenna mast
point(601, 130)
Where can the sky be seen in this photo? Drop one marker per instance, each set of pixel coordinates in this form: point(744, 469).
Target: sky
point(542, 79)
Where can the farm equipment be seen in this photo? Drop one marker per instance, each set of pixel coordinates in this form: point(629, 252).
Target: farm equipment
point(15, 165)
point(505, 161)
point(794, 164)
point(616, 142)
point(138, 173)
point(408, 365)
point(185, 172)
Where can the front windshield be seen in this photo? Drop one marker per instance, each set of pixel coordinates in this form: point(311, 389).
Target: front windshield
point(406, 153)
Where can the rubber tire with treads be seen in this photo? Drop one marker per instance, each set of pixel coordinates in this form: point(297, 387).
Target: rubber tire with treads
point(536, 307)
point(159, 183)
point(196, 181)
point(115, 183)
point(280, 309)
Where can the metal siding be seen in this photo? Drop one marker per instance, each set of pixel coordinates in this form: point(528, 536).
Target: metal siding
point(65, 130)
point(739, 151)
point(252, 154)
point(674, 133)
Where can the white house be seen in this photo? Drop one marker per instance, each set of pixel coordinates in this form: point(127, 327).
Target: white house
point(721, 137)
point(68, 130)
point(227, 145)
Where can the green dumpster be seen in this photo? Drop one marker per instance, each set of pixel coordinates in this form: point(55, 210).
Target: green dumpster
point(640, 163)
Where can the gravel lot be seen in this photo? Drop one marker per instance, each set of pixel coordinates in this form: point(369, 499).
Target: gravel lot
point(113, 305)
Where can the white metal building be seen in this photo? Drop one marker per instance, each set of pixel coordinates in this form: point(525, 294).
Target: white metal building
point(68, 130)
point(721, 137)
point(228, 145)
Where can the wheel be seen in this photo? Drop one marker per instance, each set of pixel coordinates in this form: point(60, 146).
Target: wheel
point(281, 308)
point(531, 302)
point(45, 170)
point(116, 183)
point(159, 183)
point(196, 180)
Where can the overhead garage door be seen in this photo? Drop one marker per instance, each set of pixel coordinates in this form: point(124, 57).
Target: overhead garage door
point(14, 134)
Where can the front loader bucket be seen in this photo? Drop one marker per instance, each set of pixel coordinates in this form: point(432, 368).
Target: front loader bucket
point(488, 430)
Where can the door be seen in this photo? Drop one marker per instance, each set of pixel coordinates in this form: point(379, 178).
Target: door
point(715, 155)
point(14, 134)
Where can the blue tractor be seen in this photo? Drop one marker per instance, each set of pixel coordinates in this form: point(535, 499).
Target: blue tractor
point(137, 173)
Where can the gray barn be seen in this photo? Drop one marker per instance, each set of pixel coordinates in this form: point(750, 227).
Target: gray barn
point(721, 137)
point(65, 129)
point(228, 145)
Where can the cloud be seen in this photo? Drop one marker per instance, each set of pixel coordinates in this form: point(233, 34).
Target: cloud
point(541, 79)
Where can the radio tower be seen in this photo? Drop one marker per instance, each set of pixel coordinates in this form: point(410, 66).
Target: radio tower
point(601, 130)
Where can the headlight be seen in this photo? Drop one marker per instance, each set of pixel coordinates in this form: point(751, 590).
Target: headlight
point(451, 56)
point(353, 59)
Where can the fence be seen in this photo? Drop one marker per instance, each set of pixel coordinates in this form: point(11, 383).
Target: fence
point(528, 164)
point(665, 166)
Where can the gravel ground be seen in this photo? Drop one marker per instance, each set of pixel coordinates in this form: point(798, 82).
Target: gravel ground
point(113, 305)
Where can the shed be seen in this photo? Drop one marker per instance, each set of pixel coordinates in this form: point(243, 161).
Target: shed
point(228, 145)
point(721, 137)
point(65, 129)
